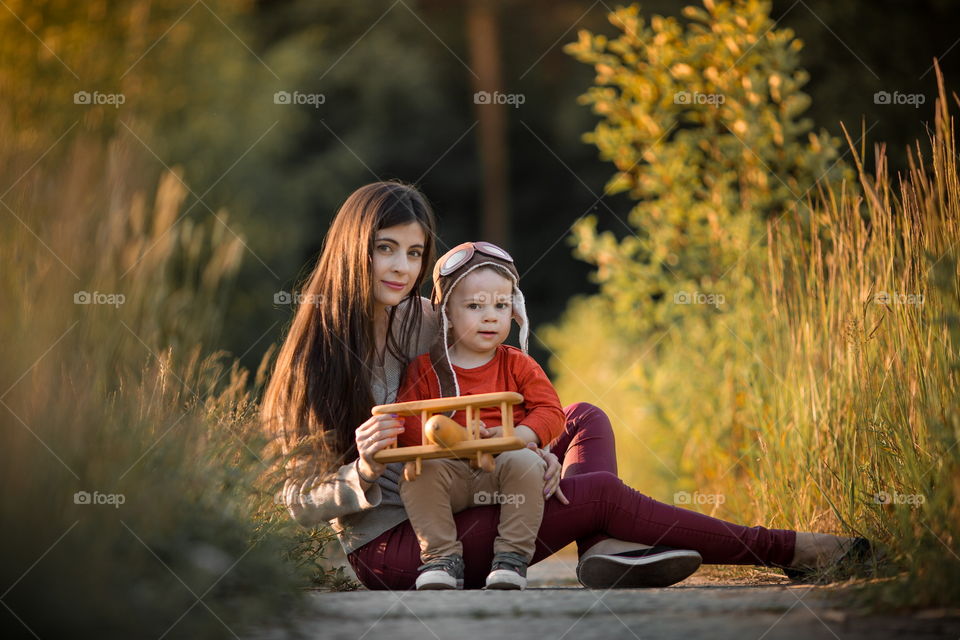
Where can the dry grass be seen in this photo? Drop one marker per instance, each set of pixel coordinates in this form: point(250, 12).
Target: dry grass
point(121, 400)
point(823, 396)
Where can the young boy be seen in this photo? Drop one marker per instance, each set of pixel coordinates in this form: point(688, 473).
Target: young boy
point(476, 292)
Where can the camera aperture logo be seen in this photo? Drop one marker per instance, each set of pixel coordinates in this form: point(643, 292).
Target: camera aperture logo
point(97, 498)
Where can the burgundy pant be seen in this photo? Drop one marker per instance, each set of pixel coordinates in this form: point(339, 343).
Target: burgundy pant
point(601, 506)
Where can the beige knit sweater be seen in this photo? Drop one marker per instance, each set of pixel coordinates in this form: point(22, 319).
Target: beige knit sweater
point(359, 516)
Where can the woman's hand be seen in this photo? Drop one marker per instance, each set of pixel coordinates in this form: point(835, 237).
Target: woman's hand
point(378, 432)
point(551, 478)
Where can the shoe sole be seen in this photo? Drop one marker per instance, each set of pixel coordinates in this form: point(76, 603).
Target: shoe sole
point(438, 586)
point(619, 572)
point(509, 580)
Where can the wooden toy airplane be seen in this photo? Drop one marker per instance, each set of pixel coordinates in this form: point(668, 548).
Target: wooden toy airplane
point(444, 438)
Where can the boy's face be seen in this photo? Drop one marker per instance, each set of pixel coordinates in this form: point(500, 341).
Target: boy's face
point(480, 309)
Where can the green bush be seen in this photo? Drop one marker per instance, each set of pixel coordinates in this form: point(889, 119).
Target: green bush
point(138, 498)
point(703, 122)
point(820, 380)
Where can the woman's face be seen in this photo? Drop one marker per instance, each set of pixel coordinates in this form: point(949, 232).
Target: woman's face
point(397, 260)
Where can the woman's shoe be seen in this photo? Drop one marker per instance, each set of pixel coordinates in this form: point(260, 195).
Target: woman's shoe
point(651, 567)
point(857, 559)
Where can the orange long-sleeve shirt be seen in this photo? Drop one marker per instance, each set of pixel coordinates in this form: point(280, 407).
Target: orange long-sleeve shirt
point(509, 370)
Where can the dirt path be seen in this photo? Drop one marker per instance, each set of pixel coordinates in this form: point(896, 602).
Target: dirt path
point(714, 604)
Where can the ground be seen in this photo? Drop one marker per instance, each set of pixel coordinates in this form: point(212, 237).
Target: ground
point(716, 603)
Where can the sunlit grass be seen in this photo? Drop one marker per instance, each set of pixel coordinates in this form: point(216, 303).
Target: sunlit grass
point(823, 394)
point(137, 499)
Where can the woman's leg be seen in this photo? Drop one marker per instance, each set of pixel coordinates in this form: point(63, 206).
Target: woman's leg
point(587, 444)
point(599, 503)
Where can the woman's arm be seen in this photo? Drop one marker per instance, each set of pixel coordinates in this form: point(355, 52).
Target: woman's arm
point(322, 497)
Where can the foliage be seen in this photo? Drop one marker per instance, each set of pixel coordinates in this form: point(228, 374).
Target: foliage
point(820, 394)
point(132, 456)
point(703, 122)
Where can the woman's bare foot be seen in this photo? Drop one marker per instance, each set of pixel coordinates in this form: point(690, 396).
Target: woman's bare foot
point(815, 550)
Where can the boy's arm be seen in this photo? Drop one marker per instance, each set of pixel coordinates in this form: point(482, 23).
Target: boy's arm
point(545, 419)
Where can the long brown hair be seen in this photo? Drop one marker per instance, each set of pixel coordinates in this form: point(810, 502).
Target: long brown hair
point(319, 392)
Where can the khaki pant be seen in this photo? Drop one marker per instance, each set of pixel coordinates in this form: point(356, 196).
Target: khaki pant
point(446, 487)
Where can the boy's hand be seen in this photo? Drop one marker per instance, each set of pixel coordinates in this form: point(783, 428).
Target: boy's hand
point(490, 432)
point(522, 431)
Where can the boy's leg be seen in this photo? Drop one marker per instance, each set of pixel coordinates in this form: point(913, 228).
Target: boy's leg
point(431, 500)
point(517, 483)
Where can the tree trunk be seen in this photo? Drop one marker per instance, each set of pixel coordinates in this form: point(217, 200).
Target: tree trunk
point(483, 35)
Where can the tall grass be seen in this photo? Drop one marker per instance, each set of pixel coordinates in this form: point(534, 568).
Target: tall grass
point(824, 396)
point(137, 501)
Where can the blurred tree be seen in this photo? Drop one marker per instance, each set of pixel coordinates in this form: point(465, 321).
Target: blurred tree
point(199, 81)
point(703, 121)
point(483, 33)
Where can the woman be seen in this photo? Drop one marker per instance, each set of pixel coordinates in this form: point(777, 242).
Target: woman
point(345, 353)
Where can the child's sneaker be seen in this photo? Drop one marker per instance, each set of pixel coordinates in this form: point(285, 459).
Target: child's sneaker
point(508, 571)
point(445, 572)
